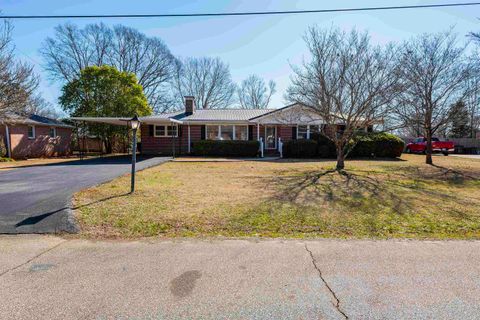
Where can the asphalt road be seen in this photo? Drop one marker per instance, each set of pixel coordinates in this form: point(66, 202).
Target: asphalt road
point(37, 199)
point(46, 277)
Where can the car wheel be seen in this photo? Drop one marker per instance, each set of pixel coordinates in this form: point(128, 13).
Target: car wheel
point(445, 153)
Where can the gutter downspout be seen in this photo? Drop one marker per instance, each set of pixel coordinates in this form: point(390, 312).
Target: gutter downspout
point(7, 133)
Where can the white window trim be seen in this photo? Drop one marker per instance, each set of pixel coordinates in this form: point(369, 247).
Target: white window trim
point(33, 131)
point(219, 129)
point(308, 128)
point(165, 130)
point(54, 132)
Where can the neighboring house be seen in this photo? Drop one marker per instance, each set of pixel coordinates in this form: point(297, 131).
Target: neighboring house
point(35, 136)
point(271, 126)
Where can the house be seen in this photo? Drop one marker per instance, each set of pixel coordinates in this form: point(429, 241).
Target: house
point(34, 136)
point(164, 133)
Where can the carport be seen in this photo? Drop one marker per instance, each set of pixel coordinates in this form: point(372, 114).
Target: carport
point(124, 121)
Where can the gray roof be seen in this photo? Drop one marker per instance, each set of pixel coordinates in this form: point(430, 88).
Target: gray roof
point(34, 120)
point(206, 115)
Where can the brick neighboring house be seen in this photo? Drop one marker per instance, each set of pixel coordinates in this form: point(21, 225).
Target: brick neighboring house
point(35, 136)
point(159, 132)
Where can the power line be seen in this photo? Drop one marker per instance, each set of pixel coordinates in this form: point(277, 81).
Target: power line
point(252, 13)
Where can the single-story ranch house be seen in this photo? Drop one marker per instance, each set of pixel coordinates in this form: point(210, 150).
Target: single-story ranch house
point(35, 136)
point(180, 130)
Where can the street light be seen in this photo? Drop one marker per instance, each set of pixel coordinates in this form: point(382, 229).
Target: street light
point(134, 124)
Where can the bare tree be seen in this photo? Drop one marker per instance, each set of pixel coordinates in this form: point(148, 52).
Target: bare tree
point(348, 82)
point(73, 49)
point(17, 79)
point(472, 102)
point(208, 79)
point(254, 94)
point(433, 73)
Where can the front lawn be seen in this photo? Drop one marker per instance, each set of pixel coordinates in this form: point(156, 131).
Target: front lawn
point(380, 199)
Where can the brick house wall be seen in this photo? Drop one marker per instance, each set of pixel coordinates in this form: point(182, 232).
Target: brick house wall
point(163, 145)
point(42, 146)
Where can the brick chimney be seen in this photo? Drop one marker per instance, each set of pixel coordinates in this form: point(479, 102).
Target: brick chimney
point(189, 105)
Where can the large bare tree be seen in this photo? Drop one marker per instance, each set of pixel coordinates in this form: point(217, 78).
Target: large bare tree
point(433, 73)
point(17, 79)
point(208, 79)
point(347, 81)
point(73, 49)
point(253, 93)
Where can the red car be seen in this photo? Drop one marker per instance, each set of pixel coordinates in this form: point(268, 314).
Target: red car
point(420, 146)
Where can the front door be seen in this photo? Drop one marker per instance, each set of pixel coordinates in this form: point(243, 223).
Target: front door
point(270, 137)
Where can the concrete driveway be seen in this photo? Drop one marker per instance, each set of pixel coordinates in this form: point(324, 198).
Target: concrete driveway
point(37, 199)
point(46, 277)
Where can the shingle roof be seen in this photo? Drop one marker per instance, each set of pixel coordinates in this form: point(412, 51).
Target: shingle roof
point(34, 119)
point(212, 115)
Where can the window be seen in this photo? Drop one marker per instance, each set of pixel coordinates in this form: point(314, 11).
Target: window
point(52, 132)
point(172, 131)
point(314, 129)
point(212, 133)
point(241, 133)
point(159, 131)
point(31, 132)
point(165, 131)
point(302, 132)
point(226, 132)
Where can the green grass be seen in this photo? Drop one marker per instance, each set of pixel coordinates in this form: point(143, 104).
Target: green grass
point(370, 199)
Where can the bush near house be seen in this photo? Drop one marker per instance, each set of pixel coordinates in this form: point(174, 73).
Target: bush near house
point(379, 145)
point(232, 148)
point(303, 148)
point(3, 148)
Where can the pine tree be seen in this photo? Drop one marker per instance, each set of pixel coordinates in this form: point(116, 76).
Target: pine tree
point(459, 120)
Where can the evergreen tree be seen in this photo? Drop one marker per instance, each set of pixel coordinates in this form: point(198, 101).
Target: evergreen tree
point(459, 120)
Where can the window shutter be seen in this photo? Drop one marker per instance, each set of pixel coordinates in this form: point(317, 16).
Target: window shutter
point(151, 129)
point(180, 131)
point(203, 132)
point(294, 133)
point(251, 129)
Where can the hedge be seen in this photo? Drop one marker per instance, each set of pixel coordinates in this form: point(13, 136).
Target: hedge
point(232, 148)
point(380, 145)
point(303, 148)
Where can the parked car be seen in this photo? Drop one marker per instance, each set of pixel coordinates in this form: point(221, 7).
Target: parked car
point(420, 146)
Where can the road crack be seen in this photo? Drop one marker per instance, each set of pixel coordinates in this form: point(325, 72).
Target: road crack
point(334, 295)
point(31, 259)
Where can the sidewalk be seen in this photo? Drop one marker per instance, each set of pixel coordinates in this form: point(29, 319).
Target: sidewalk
point(45, 277)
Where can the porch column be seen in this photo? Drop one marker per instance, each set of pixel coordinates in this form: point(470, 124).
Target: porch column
point(258, 131)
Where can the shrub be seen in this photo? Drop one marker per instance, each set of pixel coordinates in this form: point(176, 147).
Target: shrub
point(326, 148)
point(3, 148)
point(381, 145)
point(302, 148)
point(235, 148)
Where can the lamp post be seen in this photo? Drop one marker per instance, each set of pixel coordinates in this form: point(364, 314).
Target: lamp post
point(134, 124)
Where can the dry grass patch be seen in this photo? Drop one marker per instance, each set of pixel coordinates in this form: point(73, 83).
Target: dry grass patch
point(381, 199)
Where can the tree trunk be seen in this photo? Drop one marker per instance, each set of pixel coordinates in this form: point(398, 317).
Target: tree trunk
point(340, 159)
point(428, 150)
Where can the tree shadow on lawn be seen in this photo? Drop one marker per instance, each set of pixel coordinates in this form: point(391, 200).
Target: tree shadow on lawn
point(436, 173)
point(369, 191)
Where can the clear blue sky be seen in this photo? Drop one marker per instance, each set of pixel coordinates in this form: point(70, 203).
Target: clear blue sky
point(265, 45)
